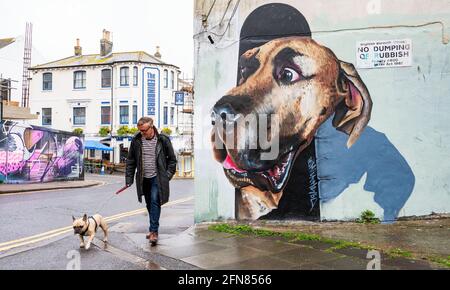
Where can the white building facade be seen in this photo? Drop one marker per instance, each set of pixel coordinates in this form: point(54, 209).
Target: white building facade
point(104, 90)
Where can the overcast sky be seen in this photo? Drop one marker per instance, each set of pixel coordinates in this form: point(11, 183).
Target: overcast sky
point(135, 25)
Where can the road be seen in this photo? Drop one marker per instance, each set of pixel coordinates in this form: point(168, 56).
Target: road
point(36, 226)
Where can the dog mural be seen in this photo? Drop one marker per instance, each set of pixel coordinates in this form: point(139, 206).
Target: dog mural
point(304, 84)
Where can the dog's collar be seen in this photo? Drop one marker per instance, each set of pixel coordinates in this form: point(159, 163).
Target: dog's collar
point(87, 228)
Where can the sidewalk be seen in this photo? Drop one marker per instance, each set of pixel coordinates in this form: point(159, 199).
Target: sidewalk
point(213, 250)
point(18, 188)
point(279, 246)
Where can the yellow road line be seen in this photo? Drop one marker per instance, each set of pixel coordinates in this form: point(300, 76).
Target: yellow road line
point(54, 233)
point(70, 228)
point(34, 241)
point(35, 236)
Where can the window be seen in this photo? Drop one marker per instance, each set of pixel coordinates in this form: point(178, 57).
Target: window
point(79, 80)
point(165, 116)
point(106, 78)
point(106, 115)
point(124, 115)
point(124, 76)
point(135, 76)
point(172, 80)
point(46, 116)
point(91, 153)
point(135, 114)
point(172, 116)
point(47, 82)
point(79, 116)
point(166, 79)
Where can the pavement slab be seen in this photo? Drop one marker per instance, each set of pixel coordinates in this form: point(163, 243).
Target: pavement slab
point(216, 259)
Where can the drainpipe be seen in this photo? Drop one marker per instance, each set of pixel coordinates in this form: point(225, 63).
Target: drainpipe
point(112, 110)
point(159, 92)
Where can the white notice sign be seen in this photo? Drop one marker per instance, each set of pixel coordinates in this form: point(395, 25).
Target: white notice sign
point(384, 53)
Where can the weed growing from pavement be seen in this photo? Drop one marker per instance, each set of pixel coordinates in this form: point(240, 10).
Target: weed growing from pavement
point(336, 244)
point(291, 236)
point(368, 217)
point(442, 261)
point(395, 253)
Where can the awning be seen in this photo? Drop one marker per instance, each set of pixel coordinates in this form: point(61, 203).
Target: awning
point(95, 145)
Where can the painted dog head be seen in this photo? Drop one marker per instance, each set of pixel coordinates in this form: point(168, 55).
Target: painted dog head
point(303, 84)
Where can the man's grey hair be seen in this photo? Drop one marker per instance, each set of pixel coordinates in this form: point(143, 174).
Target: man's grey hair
point(145, 120)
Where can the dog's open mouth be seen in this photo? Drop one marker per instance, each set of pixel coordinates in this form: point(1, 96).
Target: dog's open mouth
point(273, 179)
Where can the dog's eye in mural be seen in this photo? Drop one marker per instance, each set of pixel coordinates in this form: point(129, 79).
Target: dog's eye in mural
point(288, 76)
point(287, 69)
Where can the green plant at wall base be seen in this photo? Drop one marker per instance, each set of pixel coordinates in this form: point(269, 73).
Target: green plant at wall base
point(368, 217)
point(104, 131)
point(443, 261)
point(78, 131)
point(167, 131)
point(399, 253)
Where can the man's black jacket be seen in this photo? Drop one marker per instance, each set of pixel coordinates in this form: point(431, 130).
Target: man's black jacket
point(166, 163)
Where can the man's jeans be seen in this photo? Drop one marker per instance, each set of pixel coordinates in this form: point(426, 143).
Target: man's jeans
point(151, 195)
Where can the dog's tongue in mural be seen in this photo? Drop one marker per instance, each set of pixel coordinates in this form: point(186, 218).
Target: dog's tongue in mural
point(285, 75)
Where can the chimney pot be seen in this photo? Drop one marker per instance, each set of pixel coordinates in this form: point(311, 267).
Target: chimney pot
point(106, 44)
point(157, 53)
point(78, 49)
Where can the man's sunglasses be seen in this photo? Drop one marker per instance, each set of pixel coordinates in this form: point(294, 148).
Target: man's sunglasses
point(145, 131)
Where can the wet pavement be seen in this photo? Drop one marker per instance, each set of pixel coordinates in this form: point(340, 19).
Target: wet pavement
point(207, 249)
point(36, 227)
point(423, 238)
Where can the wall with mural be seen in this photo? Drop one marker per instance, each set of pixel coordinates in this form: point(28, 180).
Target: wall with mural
point(30, 154)
point(322, 110)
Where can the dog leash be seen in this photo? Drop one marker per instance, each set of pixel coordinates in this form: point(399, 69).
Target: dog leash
point(111, 197)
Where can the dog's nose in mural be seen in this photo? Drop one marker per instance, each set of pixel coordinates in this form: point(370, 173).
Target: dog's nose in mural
point(225, 107)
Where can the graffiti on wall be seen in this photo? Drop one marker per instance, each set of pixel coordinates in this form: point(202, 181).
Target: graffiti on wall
point(32, 154)
point(297, 85)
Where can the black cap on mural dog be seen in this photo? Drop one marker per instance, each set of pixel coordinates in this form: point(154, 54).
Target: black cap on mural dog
point(269, 22)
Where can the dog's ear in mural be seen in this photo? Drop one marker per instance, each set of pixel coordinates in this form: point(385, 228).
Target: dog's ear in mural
point(353, 112)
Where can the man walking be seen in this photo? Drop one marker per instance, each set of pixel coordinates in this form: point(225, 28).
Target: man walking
point(152, 158)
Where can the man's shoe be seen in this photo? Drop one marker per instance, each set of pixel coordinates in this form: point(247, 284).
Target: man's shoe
point(153, 238)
